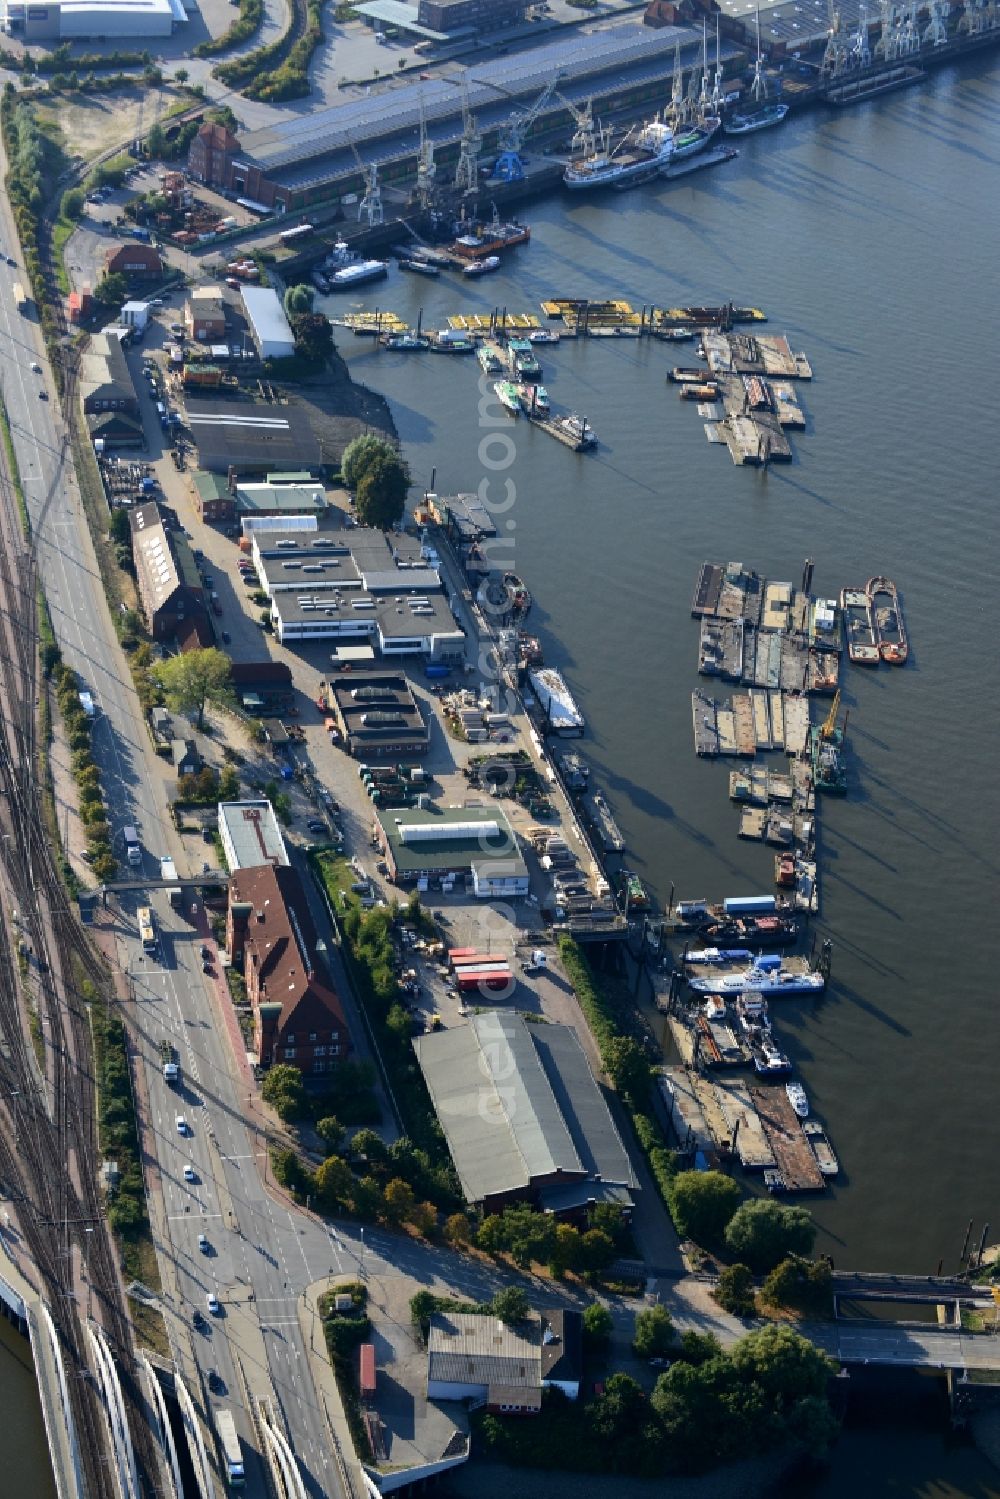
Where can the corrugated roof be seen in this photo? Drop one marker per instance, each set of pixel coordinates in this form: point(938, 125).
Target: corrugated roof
point(582, 1103)
point(463, 1348)
point(266, 314)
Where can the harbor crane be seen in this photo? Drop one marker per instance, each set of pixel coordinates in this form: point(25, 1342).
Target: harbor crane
point(426, 166)
point(829, 724)
point(861, 53)
point(509, 165)
point(371, 201)
point(936, 32)
point(584, 142)
point(837, 56)
point(467, 170)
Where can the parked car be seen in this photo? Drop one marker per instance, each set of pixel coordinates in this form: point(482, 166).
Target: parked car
point(315, 826)
point(203, 1244)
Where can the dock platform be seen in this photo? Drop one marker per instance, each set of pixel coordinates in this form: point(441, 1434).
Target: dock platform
point(753, 821)
point(796, 716)
point(746, 739)
point(793, 1155)
point(735, 1103)
point(686, 1115)
point(706, 733)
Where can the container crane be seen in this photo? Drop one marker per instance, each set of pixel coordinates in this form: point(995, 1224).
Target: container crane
point(371, 201)
point(426, 166)
point(584, 142)
point(509, 166)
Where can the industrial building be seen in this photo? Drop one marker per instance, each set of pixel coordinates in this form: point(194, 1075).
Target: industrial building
point(169, 585)
point(377, 713)
point(250, 835)
point(205, 314)
point(445, 844)
point(523, 1115)
point(480, 1359)
point(269, 327)
point(360, 587)
point(290, 163)
point(85, 20)
point(251, 437)
point(134, 261)
point(108, 393)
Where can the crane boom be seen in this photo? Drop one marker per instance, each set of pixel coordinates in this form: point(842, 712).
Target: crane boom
point(830, 722)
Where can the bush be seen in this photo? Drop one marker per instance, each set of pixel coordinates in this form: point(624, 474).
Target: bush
point(800, 1285)
point(735, 1291)
point(702, 1203)
point(654, 1334)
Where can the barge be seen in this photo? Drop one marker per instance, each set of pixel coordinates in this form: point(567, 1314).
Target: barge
point(887, 621)
point(862, 647)
point(556, 702)
point(599, 815)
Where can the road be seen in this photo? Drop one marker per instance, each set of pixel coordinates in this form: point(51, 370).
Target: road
point(276, 1267)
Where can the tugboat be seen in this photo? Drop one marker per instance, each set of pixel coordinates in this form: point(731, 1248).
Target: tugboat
point(798, 1099)
point(887, 618)
point(482, 267)
point(826, 748)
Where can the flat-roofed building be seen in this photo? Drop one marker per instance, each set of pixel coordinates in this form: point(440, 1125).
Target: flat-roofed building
point(251, 437)
point(445, 844)
point(377, 713)
point(250, 834)
point(269, 327)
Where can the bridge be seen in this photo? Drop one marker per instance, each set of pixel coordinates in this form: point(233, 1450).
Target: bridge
point(923, 1290)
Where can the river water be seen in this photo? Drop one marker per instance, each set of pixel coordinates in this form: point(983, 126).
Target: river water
point(868, 237)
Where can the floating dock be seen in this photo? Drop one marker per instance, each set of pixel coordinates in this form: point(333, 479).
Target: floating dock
point(687, 1119)
point(793, 1155)
point(706, 733)
point(735, 1101)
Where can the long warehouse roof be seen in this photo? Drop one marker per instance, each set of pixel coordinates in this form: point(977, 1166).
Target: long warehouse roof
point(521, 76)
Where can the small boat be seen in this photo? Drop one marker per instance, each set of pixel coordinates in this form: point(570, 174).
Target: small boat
point(862, 646)
point(826, 1156)
point(798, 1099)
point(578, 429)
point(320, 282)
point(420, 267)
point(448, 342)
point(490, 358)
point(520, 596)
point(768, 1061)
point(482, 267)
point(405, 342)
point(887, 618)
point(522, 361)
point(784, 870)
point(636, 898)
point(534, 398)
point(507, 395)
point(677, 335)
point(759, 119)
point(543, 336)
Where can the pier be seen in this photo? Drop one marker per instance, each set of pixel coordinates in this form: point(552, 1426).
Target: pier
point(793, 1155)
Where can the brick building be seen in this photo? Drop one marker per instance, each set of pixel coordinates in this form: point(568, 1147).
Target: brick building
point(298, 1016)
point(137, 262)
point(171, 592)
point(211, 153)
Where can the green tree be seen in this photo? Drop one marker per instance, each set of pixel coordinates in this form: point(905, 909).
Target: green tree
point(567, 1250)
point(284, 1091)
point(800, 1285)
point(609, 1218)
point(181, 76)
point(597, 1251)
point(194, 678)
point(654, 1334)
point(370, 1147)
point(381, 494)
point(360, 454)
point(298, 299)
point(621, 1411)
point(422, 1306)
point(331, 1132)
point(156, 142)
point(112, 290)
point(510, 1304)
point(698, 1347)
point(702, 1203)
point(105, 867)
point(229, 784)
point(458, 1230)
point(424, 1218)
point(598, 1323)
point(735, 1291)
point(334, 1182)
point(627, 1068)
point(490, 1236)
point(71, 204)
point(313, 335)
point(367, 1200)
point(762, 1232)
point(398, 1201)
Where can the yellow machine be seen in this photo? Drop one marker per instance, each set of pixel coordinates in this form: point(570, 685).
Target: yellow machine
point(830, 722)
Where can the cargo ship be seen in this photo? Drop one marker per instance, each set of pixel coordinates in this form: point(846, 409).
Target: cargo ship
point(766, 976)
point(862, 647)
point(556, 702)
point(887, 621)
point(637, 155)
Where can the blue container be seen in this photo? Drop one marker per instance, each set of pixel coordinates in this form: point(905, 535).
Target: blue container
point(769, 962)
point(288, 774)
point(748, 905)
point(437, 673)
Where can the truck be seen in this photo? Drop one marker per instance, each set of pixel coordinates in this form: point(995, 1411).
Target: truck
point(171, 1067)
point(20, 300)
point(232, 1456)
point(133, 848)
point(168, 871)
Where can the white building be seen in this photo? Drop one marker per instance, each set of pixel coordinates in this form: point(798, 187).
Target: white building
point(271, 331)
point(250, 835)
point(78, 20)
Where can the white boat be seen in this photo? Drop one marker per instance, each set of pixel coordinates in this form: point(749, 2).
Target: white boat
point(826, 1156)
point(482, 267)
point(490, 359)
point(635, 157)
point(758, 119)
point(556, 700)
point(534, 398)
point(507, 394)
point(578, 429)
point(768, 1060)
point(344, 269)
point(763, 977)
point(798, 1099)
point(543, 336)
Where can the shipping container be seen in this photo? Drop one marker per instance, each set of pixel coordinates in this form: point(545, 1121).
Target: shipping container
point(740, 905)
point(367, 1376)
point(476, 978)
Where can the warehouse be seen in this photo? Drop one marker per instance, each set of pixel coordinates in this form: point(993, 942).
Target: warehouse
point(269, 328)
point(377, 713)
point(444, 844)
point(523, 1115)
point(80, 20)
point(254, 438)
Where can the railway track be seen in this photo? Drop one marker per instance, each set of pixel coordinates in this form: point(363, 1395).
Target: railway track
point(49, 1159)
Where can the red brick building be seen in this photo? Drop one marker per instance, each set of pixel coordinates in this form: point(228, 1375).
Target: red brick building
point(298, 1016)
point(137, 262)
point(211, 153)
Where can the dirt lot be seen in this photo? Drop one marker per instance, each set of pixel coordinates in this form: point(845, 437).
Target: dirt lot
point(92, 123)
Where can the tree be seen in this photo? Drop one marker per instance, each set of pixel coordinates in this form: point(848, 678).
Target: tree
point(621, 1409)
point(763, 1231)
point(193, 679)
point(654, 1333)
point(627, 1068)
point(510, 1304)
point(735, 1292)
point(359, 454)
point(71, 203)
point(181, 76)
point(424, 1218)
point(490, 1236)
point(313, 335)
point(567, 1250)
point(366, 1199)
point(398, 1201)
point(598, 1323)
point(331, 1132)
point(381, 496)
point(284, 1091)
point(801, 1285)
point(298, 299)
point(422, 1307)
point(457, 1230)
point(334, 1182)
point(229, 784)
point(156, 142)
point(702, 1203)
point(609, 1218)
point(112, 290)
point(370, 1147)
point(597, 1251)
